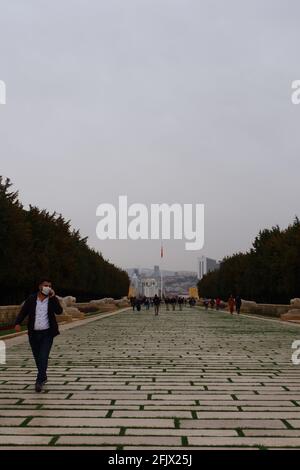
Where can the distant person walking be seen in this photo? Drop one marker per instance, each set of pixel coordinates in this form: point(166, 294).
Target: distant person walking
point(238, 304)
point(156, 302)
point(231, 304)
point(41, 308)
point(132, 301)
point(138, 304)
point(218, 303)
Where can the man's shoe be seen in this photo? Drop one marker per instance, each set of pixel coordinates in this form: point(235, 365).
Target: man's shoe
point(38, 387)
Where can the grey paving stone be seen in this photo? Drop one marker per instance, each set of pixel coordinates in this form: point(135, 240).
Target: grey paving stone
point(26, 430)
point(245, 441)
point(24, 440)
point(272, 432)
point(181, 432)
point(152, 414)
point(11, 421)
point(232, 423)
point(247, 415)
point(103, 422)
point(120, 440)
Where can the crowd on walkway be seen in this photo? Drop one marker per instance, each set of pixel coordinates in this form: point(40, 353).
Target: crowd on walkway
point(233, 303)
point(172, 303)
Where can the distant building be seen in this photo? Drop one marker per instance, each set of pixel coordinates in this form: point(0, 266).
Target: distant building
point(206, 265)
point(150, 287)
point(135, 285)
point(156, 272)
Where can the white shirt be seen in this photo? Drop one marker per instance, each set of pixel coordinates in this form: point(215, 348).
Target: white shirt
point(41, 315)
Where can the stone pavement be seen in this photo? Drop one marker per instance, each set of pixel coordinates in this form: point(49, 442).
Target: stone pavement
point(190, 379)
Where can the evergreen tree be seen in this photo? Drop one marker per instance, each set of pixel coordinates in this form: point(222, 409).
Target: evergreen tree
point(35, 243)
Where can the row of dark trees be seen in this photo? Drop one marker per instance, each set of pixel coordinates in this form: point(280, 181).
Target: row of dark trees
point(35, 243)
point(269, 272)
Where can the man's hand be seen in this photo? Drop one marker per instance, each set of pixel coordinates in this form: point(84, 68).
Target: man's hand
point(18, 328)
point(52, 293)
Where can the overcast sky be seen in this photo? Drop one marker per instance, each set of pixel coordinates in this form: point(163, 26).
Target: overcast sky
point(183, 101)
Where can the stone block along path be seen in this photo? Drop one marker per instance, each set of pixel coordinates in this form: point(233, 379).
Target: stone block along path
point(182, 380)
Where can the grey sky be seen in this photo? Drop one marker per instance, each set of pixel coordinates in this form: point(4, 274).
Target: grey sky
point(163, 100)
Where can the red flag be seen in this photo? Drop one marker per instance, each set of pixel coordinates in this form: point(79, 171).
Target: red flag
point(161, 252)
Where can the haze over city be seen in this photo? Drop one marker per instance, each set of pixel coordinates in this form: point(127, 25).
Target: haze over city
point(161, 100)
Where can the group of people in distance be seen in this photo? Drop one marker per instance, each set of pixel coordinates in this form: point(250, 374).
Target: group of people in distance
point(233, 303)
point(179, 301)
point(138, 302)
point(170, 303)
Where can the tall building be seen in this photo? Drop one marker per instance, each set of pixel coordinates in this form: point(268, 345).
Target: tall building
point(205, 265)
point(156, 272)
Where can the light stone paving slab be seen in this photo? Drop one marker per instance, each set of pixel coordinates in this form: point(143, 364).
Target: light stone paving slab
point(233, 424)
point(120, 440)
point(88, 407)
point(27, 440)
point(183, 380)
point(102, 422)
point(249, 415)
point(11, 421)
point(54, 413)
point(152, 414)
point(58, 448)
point(246, 441)
point(272, 432)
point(25, 430)
point(180, 432)
point(186, 448)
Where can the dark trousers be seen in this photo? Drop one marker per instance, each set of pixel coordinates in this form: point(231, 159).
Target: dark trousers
point(41, 343)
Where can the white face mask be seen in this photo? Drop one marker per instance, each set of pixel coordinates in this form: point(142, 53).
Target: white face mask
point(46, 290)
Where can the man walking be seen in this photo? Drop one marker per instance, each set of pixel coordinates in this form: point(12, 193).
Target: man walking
point(41, 308)
point(156, 301)
point(238, 304)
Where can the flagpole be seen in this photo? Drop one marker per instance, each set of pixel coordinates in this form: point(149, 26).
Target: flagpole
point(161, 274)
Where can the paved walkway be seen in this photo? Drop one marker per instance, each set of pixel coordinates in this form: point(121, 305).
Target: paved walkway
point(190, 379)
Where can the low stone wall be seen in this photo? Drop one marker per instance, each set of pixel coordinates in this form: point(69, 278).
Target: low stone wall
point(8, 313)
point(267, 310)
point(72, 310)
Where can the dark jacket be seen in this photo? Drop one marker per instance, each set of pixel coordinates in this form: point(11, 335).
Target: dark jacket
point(29, 307)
